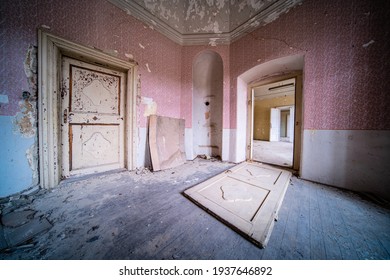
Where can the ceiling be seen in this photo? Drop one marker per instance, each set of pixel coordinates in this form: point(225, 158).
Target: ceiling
point(278, 89)
point(202, 22)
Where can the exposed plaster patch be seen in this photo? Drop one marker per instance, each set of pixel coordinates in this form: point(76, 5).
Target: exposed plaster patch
point(212, 27)
point(32, 159)
point(111, 52)
point(221, 3)
point(129, 56)
point(25, 122)
point(30, 69)
point(194, 8)
point(213, 42)
point(151, 106)
point(141, 46)
point(255, 23)
point(128, 12)
point(256, 4)
point(147, 67)
point(369, 43)
point(138, 93)
point(45, 26)
point(150, 5)
point(271, 17)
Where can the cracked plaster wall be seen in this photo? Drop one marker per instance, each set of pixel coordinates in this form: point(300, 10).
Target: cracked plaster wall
point(99, 25)
point(345, 45)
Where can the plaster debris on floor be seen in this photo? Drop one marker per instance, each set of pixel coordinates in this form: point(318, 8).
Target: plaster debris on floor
point(79, 213)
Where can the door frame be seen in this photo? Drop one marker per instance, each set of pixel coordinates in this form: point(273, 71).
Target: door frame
point(50, 51)
point(298, 114)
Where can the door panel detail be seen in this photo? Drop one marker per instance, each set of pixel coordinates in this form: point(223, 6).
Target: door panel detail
point(92, 129)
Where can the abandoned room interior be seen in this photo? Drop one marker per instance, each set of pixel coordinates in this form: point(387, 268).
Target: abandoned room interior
point(202, 129)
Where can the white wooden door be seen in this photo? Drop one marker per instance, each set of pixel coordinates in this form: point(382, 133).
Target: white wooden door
point(247, 197)
point(274, 134)
point(92, 123)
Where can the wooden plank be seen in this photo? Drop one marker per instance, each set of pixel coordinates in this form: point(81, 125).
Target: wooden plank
point(166, 141)
point(317, 244)
point(302, 250)
point(288, 244)
point(332, 248)
point(347, 246)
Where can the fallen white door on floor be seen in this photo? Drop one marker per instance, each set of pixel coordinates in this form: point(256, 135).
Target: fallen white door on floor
point(246, 197)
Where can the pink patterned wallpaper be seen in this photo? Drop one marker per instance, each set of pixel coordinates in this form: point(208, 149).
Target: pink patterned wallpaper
point(345, 43)
point(95, 23)
point(347, 60)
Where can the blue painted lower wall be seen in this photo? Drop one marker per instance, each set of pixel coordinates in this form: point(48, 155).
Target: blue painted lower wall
point(15, 172)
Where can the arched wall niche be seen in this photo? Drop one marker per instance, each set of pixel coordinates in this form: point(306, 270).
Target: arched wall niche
point(259, 74)
point(207, 103)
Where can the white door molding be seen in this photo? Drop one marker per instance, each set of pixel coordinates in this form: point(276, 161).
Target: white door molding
point(298, 113)
point(50, 51)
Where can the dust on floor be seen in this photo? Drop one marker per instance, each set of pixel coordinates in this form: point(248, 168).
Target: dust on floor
point(89, 218)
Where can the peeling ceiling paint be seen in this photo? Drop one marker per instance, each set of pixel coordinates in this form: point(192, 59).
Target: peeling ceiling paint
point(196, 21)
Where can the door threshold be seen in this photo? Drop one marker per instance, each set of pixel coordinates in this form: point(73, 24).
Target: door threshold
point(287, 168)
point(76, 178)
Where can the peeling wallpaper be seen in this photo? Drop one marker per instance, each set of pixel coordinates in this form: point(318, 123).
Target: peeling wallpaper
point(344, 43)
point(346, 81)
point(97, 24)
point(346, 70)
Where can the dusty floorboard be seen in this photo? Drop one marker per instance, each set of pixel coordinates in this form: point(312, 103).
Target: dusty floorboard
point(130, 216)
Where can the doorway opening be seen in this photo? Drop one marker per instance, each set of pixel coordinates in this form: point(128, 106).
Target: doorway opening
point(273, 122)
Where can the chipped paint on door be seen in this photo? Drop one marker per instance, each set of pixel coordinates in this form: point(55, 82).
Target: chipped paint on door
point(92, 128)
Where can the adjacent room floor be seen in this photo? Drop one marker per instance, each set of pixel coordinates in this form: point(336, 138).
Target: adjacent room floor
point(277, 153)
point(143, 215)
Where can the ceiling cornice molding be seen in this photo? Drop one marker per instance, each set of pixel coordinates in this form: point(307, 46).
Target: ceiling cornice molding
point(262, 18)
point(134, 9)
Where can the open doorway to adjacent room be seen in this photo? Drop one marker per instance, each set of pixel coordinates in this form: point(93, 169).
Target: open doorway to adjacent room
point(273, 110)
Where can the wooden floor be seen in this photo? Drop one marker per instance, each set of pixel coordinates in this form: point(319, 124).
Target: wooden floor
point(277, 153)
point(129, 216)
